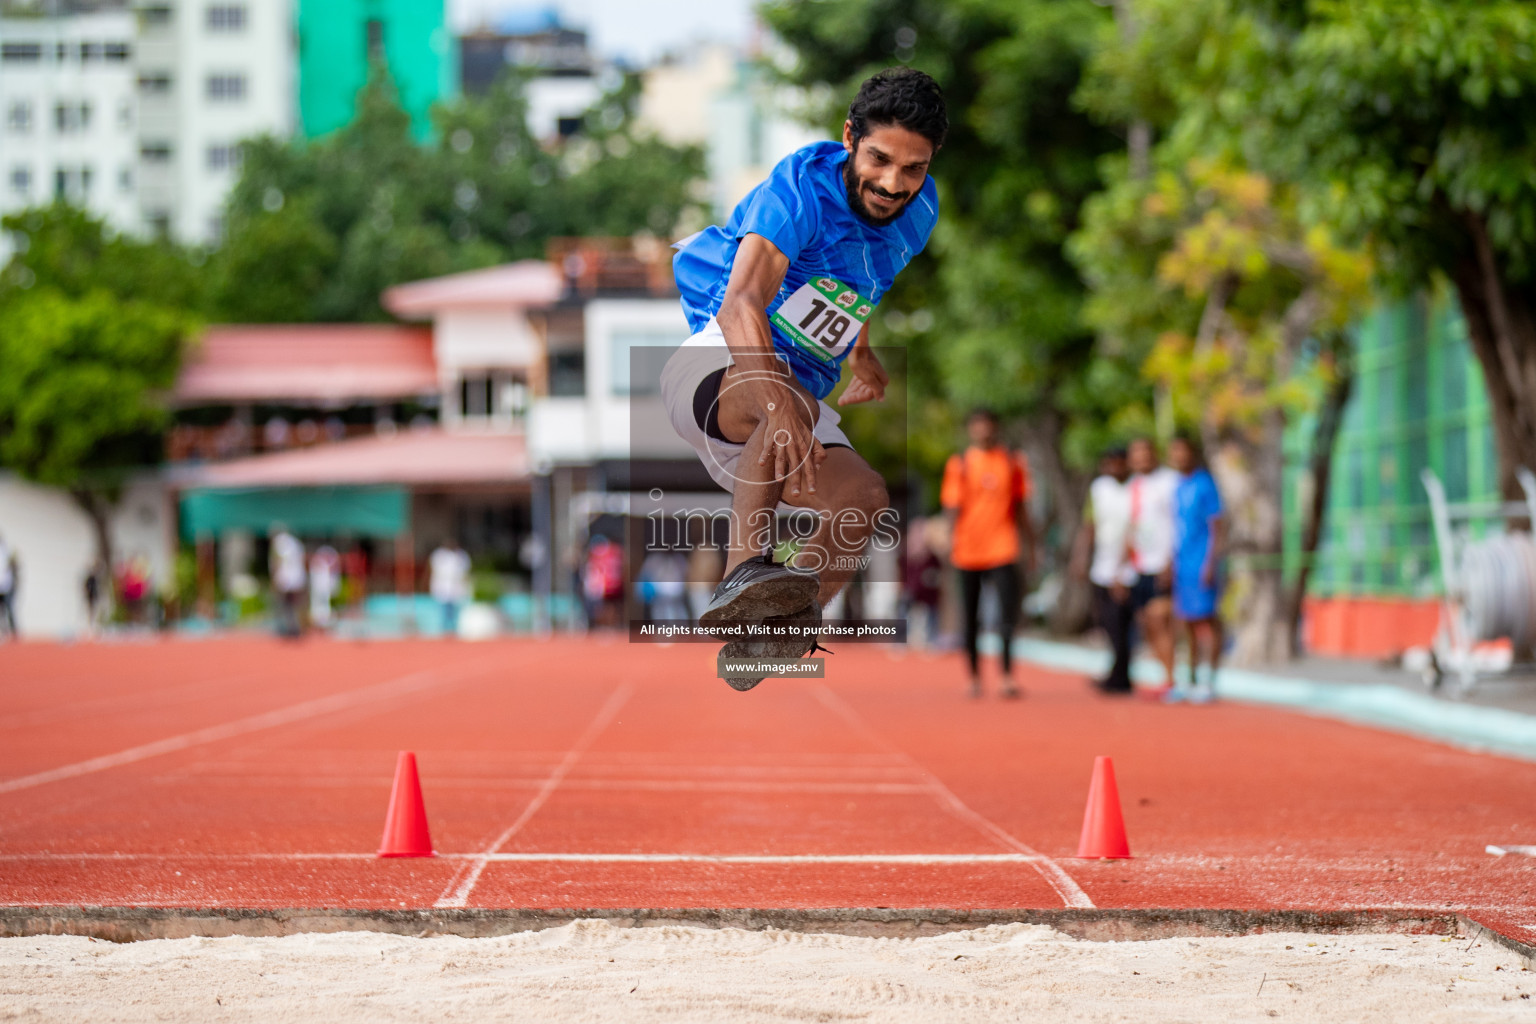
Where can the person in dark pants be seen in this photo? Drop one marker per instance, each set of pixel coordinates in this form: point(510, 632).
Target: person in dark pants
point(1099, 555)
point(985, 494)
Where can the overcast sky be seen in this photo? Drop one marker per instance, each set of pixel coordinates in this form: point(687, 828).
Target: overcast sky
point(637, 30)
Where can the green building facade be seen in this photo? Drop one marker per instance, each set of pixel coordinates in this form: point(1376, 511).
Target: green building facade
point(340, 40)
point(1418, 401)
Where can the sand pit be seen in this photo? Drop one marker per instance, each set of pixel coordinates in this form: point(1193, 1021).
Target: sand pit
point(595, 971)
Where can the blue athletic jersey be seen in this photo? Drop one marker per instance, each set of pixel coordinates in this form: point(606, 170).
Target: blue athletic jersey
point(802, 208)
point(1195, 503)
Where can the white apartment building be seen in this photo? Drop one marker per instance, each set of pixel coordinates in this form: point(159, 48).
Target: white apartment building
point(210, 73)
point(135, 111)
point(70, 122)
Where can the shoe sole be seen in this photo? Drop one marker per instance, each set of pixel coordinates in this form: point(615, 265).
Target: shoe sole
point(797, 648)
point(764, 600)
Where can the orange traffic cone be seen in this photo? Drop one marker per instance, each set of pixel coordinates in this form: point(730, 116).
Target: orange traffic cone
point(1103, 827)
point(405, 825)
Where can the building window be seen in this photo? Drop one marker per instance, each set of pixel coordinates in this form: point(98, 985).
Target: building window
point(636, 358)
point(116, 53)
point(155, 83)
point(158, 222)
point(155, 16)
point(89, 52)
point(492, 394)
point(155, 152)
point(223, 157)
point(18, 53)
point(375, 39)
point(71, 117)
point(60, 183)
point(21, 180)
point(224, 88)
point(125, 114)
point(226, 18)
point(125, 179)
point(568, 374)
point(18, 117)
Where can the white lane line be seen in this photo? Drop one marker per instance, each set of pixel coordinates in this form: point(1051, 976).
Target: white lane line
point(457, 892)
point(643, 785)
point(1500, 851)
point(1062, 883)
point(215, 733)
point(909, 859)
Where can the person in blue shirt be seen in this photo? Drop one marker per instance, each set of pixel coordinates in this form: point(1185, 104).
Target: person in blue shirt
point(1199, 539)
point(779, 299)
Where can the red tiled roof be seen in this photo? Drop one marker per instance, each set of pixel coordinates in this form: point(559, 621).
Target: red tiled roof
point(308, 363)
point(413, 456)
point(520, 285)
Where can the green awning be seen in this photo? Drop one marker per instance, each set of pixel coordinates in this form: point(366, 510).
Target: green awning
point(361, 511)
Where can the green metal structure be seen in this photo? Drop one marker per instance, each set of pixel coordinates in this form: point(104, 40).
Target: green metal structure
point(314, 511)
point(341, 40)
point(1418, 401)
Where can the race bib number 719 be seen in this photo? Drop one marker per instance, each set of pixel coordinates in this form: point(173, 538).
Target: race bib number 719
point(823, 317)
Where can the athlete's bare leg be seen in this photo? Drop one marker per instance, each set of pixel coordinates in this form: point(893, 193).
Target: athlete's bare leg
point(849, 495)
point(759, 483)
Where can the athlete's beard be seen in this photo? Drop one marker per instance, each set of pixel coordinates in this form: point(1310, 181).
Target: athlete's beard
point(856, 198)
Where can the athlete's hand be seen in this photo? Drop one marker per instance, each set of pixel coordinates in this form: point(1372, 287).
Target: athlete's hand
point(869, 377)
point(789, 445)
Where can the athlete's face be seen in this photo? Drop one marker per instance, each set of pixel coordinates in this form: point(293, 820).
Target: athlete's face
point(885, 169)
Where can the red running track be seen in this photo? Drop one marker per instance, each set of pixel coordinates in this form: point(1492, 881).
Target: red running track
point(592, 773)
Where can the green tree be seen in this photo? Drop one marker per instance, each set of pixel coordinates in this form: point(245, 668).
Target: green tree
point(1213, 267)
point(80, 401)
point(1410, 124)
point(64, 248)
point(319, 229)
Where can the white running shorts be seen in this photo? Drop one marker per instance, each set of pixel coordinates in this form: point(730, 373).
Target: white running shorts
point(700, 356)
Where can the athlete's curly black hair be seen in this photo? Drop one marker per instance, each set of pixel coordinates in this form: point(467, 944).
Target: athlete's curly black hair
point(901, 96)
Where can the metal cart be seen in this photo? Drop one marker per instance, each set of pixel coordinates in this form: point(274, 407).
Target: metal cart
point(1490, 587)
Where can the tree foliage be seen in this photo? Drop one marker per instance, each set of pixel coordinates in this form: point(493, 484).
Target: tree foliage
point(1407, 125)
point(317, 230)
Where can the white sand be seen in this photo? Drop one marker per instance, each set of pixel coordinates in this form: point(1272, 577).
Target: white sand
point(593, 971)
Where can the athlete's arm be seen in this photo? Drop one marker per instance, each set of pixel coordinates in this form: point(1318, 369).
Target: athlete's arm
point(757, 274)
point(869, 376)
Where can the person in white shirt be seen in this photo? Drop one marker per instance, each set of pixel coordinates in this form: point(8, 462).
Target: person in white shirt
point(1099, 555)
point(449, 581)
point(286, 563)
point(1150, 549)
point(324, 577)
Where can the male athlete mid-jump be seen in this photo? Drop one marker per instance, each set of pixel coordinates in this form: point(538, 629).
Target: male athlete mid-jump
point(778, 300)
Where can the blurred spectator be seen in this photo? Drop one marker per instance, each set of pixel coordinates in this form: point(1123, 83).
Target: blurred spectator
point(94, 606)
point(1100, 555)
point(925, 580)
point(1152, 489)
point(448, 567)
point(276, 433)
point(662, 577)
point(1200, 538)
point(986, 493)
point(324, 579)
point(355, 569)
point(286, 564)
point(306, 432)
point(705, 567)
point(133, 585)
point(602, 582)
point(335, 429)
point(8, 579)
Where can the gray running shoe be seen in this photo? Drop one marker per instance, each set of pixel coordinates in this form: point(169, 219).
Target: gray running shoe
point(758, 589)
point(809, 618)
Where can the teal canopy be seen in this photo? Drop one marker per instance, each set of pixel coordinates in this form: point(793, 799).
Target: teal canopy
point(362, 511)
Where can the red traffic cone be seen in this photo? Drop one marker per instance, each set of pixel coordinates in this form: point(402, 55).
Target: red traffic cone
point(1103, 827)
point(405, 825)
